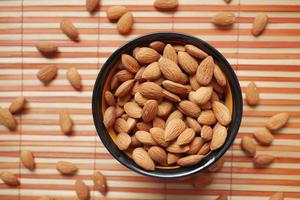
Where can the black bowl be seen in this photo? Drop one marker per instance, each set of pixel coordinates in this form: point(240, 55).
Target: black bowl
point(234, 97)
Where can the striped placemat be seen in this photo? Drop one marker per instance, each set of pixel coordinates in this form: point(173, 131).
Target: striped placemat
point(271, 60)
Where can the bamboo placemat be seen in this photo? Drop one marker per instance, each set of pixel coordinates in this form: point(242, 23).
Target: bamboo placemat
point(271, 60)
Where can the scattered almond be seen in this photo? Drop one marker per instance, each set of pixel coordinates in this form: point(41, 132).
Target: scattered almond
point(248, 146)
point(263, 160)
point(46, 47)
point(125, 23)
point(277, 196)
point(7, 119)
point(27, 159)
point(74, 78)
point(91, 5)
point(46, 198)
point(263, 136)
point(259, 24)
point(116, 12)
point(82, 190)
point(66, 168)
point(65, 122)
point(47, 73)
point(223, 19)
point(277, 121)
point(99, 182)
point(9, 178)
point(17, 105)
point(142, 158)
point(69, 29)
point(165, 5)
point(252, 94)
point(223, 197)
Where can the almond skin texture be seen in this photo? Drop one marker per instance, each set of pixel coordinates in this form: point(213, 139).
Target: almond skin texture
point(109, 117)
point(205, 71)
point(201, 180)
point(176, 114)
point(9, 178)
point(259, 24)
point(204, 149)
point(65, 122)
point(150, 110)
point(192, 123)
point(176, 148)
point(186, 136)
point(277, 196)
point(252, 94)
point(158, 135)
point(152, 72)
point(158, 155)
point(170, 70)
point(157, 46)
point(201, 96)
point(133, 110)
point(170, 53)
point(46, 47)
point(142, 159)
point(145, 138)
point(99, 182)
point(206, 133)
point(187, 62)
point(222, 113)
point(27, 159)
point(82, 190)
point(170, 96)
point(189, 160)
point(120, 125)
point(219, 76)
point(223, 19)
point(47, 73)
point(17, 105)
point(172, 158)
point(142, 126)
point(165, 5)
point(109, 98)
point(277, 121)
point(124, 75)
point(69, 29)
point(263, 136)
point(139, 75)
point(173, 87)
point(195, 146)
point(173, 129)
point(115, 12)
point(219, 137)
point(146, 55)
point(91, 5)
point(248, 146)
point(125, 23)
point(151, 90)
point(207, 117)
point(74, 78)
point(189, 108)
point(124, 88)
point(7, 119)
point(159, 123)
point(66, 168)
point(123, 141)
point(195, 51)
point(139, 99)
point(263, 160)
point(130, 63)
point(194, 83)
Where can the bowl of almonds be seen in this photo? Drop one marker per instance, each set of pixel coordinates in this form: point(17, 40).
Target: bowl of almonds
point(167, 105)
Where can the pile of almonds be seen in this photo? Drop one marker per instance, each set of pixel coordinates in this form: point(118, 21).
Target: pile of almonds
point(165, 105)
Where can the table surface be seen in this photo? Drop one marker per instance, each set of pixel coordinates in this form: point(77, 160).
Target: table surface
point(271, 60)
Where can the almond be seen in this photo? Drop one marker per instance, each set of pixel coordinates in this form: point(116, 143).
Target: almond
point(170, 53)
point(176, 148)
point(207, 117)
point(123, 141)
point(124, 88)
point(139, 74)
point(206, 133)
point(186, 136)
point(134, 142)
point(65, 122)
point(131, 124)
point(172, 158)
point(219, 137)
point(152, 72)
point(277, 196)
point(195, 145)
point(145, 138)
point(17, 105)
point(158, 155)
point(205, 71)
point(99, 182)
point(223, 19)
point(157, 46)
point(46, 47)
point(130, 63)
point(135, 88)
point(222, 113)
point(170, 70)
point(195, 51)
point(165, 5)
point(46, 198)
point(219, 89)
point(9, 178)
point(119, 111)
point(223, 197)
point(164, 108)
point(121, 101)
point(171, 97)
point(227, 1)
point(82, 190)
point(150, 110)
point(201, 180)
point(204, 149)
point(7, 119)
point(248, 146)
point(173, 87)
point(142, 159)
point(27, 159)
point(192, 123)
point(214, 97)
point(124, 75)
point(219, 76)
point(116, 12)
point(259, 24)
point(176, 114)
point(74, 78)
point(47, 73)
point(139, 99)
point(277, 121)
point(151, 90)
point(125, 23)
point(69, 29)
point(109, 117)
point(201, 96)
point(114, 83)
point(179, 48)
point(91, 5)
point(263, 136)
point(252, 94)
point(120, 125)
point(189, 160)
point(187, 62)
point(142, 126)
point(263, 160)
point(109, 98)
point(133, 110)
point(217, 166)
point(194, 83)
point(159, 123)
point(158, 135)
point(147, 55)
point(66, 168)
point(189, 108)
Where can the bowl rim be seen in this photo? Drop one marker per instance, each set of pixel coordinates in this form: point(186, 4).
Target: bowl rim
point(237, 105)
